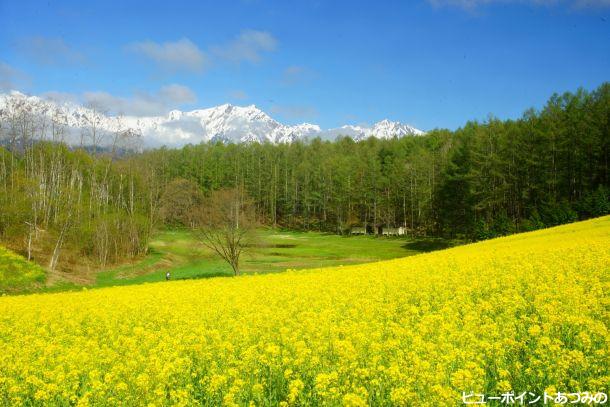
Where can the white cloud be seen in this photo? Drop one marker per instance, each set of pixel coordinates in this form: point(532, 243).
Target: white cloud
point(181, 55)
point(177, 94)
point(11, 78)
point(49, 51)
point(238, 95)
point(184, 55)
point(296, 112)
point(60, 97)
point(592, 3)
point(247, 46)
point(296, 74)
point(142, 103)
point(475, 4)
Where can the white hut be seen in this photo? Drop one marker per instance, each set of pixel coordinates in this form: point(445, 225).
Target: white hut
point(399, 231)
point(358, 230)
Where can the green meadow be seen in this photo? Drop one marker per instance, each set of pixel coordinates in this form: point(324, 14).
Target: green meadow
point(269, 251)
point(179, 252)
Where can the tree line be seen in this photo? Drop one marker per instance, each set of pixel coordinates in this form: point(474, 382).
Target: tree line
point(483, 180)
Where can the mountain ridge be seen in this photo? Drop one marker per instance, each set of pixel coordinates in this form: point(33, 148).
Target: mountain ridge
point(226, 122)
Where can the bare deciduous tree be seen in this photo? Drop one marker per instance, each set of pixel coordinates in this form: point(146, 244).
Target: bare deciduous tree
point(92, 121)
point(226, 225)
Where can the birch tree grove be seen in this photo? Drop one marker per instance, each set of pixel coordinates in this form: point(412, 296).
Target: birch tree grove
point(57, 203)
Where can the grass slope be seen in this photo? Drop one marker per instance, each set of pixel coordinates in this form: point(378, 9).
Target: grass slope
point(18, 274)
point(179, 252)
point(525, 313)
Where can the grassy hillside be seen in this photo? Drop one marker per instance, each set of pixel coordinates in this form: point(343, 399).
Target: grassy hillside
point(180, 253)
point(185, 257)
point(17, 274)
point(527, 313)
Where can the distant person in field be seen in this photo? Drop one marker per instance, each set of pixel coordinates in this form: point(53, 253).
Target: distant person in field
point(167, 276)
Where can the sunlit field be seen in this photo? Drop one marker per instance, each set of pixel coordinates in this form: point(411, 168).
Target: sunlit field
point(16, 273)
point(525, 313)
point(185, 257)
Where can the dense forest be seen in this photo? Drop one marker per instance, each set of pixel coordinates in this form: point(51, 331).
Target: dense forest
point(483, 180)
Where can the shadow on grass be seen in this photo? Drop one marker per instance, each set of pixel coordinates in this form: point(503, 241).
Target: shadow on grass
point(271, 245)
point(428, 245)
point(206, 275)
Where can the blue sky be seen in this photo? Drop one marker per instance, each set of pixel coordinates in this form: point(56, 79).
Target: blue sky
point(429, 63)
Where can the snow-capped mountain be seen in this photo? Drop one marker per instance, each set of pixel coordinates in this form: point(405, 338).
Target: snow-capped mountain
point(227, 123)
point(388, 129)
point(384, 129)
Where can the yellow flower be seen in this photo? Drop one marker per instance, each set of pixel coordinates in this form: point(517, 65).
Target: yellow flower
point(527, 310)
point(353, 400)
point(534, 330)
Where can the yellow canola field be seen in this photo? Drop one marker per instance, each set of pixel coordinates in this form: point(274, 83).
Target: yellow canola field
point(530, 312)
